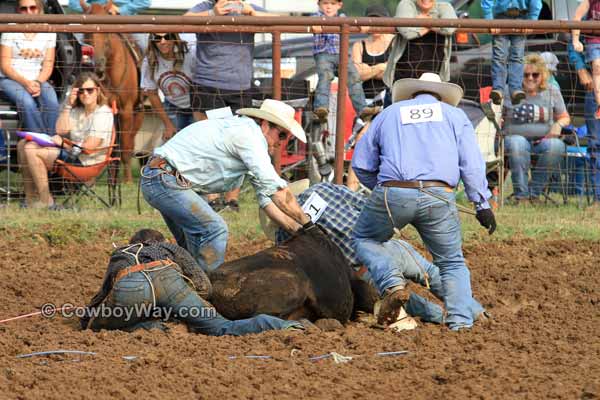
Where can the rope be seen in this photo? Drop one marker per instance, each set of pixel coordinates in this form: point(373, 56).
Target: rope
point(397, 232)
point(458, 206)
point(36, 313)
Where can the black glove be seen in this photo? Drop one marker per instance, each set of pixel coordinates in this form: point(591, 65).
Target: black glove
point(313, 230)
point(308, 227)
point(487, 220)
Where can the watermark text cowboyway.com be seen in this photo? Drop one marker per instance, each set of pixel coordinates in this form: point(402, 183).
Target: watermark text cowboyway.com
point(127, 313)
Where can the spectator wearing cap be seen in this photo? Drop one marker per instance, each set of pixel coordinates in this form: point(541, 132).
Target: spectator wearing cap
point(552, 66)
point(534, 127)
point(213, 156)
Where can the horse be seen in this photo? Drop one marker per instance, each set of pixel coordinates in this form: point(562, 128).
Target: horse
point(117, 68)
point(305, 277)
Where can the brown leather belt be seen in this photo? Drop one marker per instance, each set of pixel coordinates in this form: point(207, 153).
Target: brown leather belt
point(141, 267)
point(416, 184)
point(515, 12)
point(160, 163)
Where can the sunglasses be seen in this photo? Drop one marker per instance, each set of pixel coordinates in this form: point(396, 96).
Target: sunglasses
point(24, 9)
point(88, 90)
point(158, 38)
point(534, 75)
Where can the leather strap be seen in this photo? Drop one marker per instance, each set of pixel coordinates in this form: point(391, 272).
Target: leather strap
point(157, 162)
point(141, 267)
point(416, 184)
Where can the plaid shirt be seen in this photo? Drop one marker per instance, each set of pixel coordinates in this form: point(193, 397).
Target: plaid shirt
point(326, 42)
point(338, 219)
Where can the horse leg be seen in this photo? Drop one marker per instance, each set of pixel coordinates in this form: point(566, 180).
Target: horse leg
point(127, 140)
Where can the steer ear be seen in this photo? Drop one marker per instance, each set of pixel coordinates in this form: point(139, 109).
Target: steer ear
point(84, 6)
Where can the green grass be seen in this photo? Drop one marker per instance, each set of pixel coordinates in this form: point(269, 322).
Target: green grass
point(90, 219)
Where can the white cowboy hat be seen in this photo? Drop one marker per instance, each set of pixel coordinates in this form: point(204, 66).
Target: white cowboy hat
point(270, 227)
point(279, 113)
point(404, 89)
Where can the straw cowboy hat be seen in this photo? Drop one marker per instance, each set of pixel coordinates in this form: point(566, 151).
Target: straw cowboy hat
point(404, 89)
point(270, 227)
point(279, 113)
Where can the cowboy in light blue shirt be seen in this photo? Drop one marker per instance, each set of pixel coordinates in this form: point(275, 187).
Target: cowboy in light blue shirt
point(212, 156)
point(412, 157)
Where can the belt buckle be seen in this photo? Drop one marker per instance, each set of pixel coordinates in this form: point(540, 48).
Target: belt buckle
point(513, 12)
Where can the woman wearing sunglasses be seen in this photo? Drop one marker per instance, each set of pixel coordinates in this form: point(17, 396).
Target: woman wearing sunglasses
point(26, 63)
point(534, 127)
point(88, 122)
point(168, 66)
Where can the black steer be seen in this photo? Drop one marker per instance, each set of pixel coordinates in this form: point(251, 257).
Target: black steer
point(306, 277)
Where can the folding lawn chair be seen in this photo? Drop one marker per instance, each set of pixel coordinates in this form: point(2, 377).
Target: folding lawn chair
point(79, 180)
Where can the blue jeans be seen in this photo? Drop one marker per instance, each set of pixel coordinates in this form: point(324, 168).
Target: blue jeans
point(507, 61)
point(327, 64)
point(409, 264)
point(438, 225)
point(593, 141)
point(39, 114)
point(130, 306)
point(193, 223)
point(180, 117)
point(519, 150)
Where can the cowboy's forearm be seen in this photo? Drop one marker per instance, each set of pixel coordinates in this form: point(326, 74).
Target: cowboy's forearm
point(286, 202)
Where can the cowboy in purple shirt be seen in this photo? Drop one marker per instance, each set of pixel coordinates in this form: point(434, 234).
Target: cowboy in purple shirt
point(412, 157)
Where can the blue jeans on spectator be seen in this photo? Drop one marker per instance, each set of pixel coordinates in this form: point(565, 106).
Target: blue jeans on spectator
point(519, 150)
point(180, 117)
point(194, 224)
point(409, 264)
point(327, 65)
point(438, 225)
point(39, 114)
point(507, 61)
point(131, 305)
point(593, 141)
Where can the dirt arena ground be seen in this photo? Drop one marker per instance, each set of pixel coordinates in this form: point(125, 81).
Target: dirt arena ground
point(543, 341)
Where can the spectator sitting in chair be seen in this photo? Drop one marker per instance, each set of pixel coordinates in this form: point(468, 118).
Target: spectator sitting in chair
point(152, 273)
point(88, 122)
point(26, 64)
point(534, 127)
point(326, 50)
